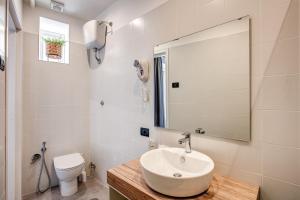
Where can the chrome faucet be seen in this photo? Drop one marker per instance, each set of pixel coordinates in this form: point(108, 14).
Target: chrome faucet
point(187, 141)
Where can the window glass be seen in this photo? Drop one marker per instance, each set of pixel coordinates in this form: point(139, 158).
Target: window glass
point(53, 41)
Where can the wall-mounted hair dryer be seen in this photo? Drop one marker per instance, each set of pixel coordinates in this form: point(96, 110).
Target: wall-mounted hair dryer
point(95, 33)
point(142, 68)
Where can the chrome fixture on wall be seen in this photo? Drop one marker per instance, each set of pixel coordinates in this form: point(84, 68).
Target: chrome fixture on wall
point(92, 167)
point(102, 103)
point(187, 141)
point(35, 158)
point(43, 165)
point(200, 131)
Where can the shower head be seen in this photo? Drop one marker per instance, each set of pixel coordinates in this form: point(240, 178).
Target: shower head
point(43, 149)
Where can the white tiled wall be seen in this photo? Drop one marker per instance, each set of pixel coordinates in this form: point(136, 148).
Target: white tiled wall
point(55, 100)
point(56, 103)
point(272, 158)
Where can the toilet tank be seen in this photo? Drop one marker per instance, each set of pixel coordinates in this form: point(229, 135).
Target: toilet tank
point(94, 34)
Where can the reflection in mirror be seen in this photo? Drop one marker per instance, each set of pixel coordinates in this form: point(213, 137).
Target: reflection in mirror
point(2, 27)
point(202, 82)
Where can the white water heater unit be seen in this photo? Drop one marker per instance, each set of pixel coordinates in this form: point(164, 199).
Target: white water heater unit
point(95, 33)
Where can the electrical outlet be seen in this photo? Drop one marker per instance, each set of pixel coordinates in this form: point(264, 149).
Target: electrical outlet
point(144, 132)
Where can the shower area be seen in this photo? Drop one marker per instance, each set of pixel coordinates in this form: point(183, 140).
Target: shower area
point(56, 96)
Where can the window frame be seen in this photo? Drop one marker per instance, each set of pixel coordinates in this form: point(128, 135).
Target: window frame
point(65, 59)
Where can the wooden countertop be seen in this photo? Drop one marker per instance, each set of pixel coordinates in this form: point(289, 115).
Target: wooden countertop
point(127, 179)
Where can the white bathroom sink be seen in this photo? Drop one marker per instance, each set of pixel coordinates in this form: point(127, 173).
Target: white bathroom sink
point(173, 172)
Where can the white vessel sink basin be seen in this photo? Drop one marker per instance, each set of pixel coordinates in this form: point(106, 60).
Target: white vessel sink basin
point(173, 172)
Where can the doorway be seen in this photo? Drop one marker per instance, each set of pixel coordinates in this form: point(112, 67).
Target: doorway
point(11, 118)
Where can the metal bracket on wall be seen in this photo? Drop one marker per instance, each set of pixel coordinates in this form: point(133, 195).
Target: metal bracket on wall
point(2, 64)
point(200, 131)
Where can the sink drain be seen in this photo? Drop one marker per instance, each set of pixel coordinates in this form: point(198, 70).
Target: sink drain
point(177, 175)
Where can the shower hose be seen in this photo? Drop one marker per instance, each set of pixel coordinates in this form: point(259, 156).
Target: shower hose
point(43, 165)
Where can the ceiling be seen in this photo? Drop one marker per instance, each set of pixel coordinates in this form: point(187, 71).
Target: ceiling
point(84, 9)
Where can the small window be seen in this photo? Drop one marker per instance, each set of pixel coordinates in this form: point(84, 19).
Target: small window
point(53, 41)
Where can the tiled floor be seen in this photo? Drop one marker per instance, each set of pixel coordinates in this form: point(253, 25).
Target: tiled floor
point(91, 190)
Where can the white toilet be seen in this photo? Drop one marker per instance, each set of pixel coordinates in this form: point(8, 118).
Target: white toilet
point(68, 168)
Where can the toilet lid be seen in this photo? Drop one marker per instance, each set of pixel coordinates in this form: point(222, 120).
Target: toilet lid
point(68, 161)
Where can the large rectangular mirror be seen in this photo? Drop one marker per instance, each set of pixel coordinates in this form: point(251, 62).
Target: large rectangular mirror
point(202, 82)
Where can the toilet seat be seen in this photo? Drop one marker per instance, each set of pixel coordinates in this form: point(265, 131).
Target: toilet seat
point(68, 162)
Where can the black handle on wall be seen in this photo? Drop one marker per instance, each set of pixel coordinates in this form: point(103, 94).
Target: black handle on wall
point(2, 64)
